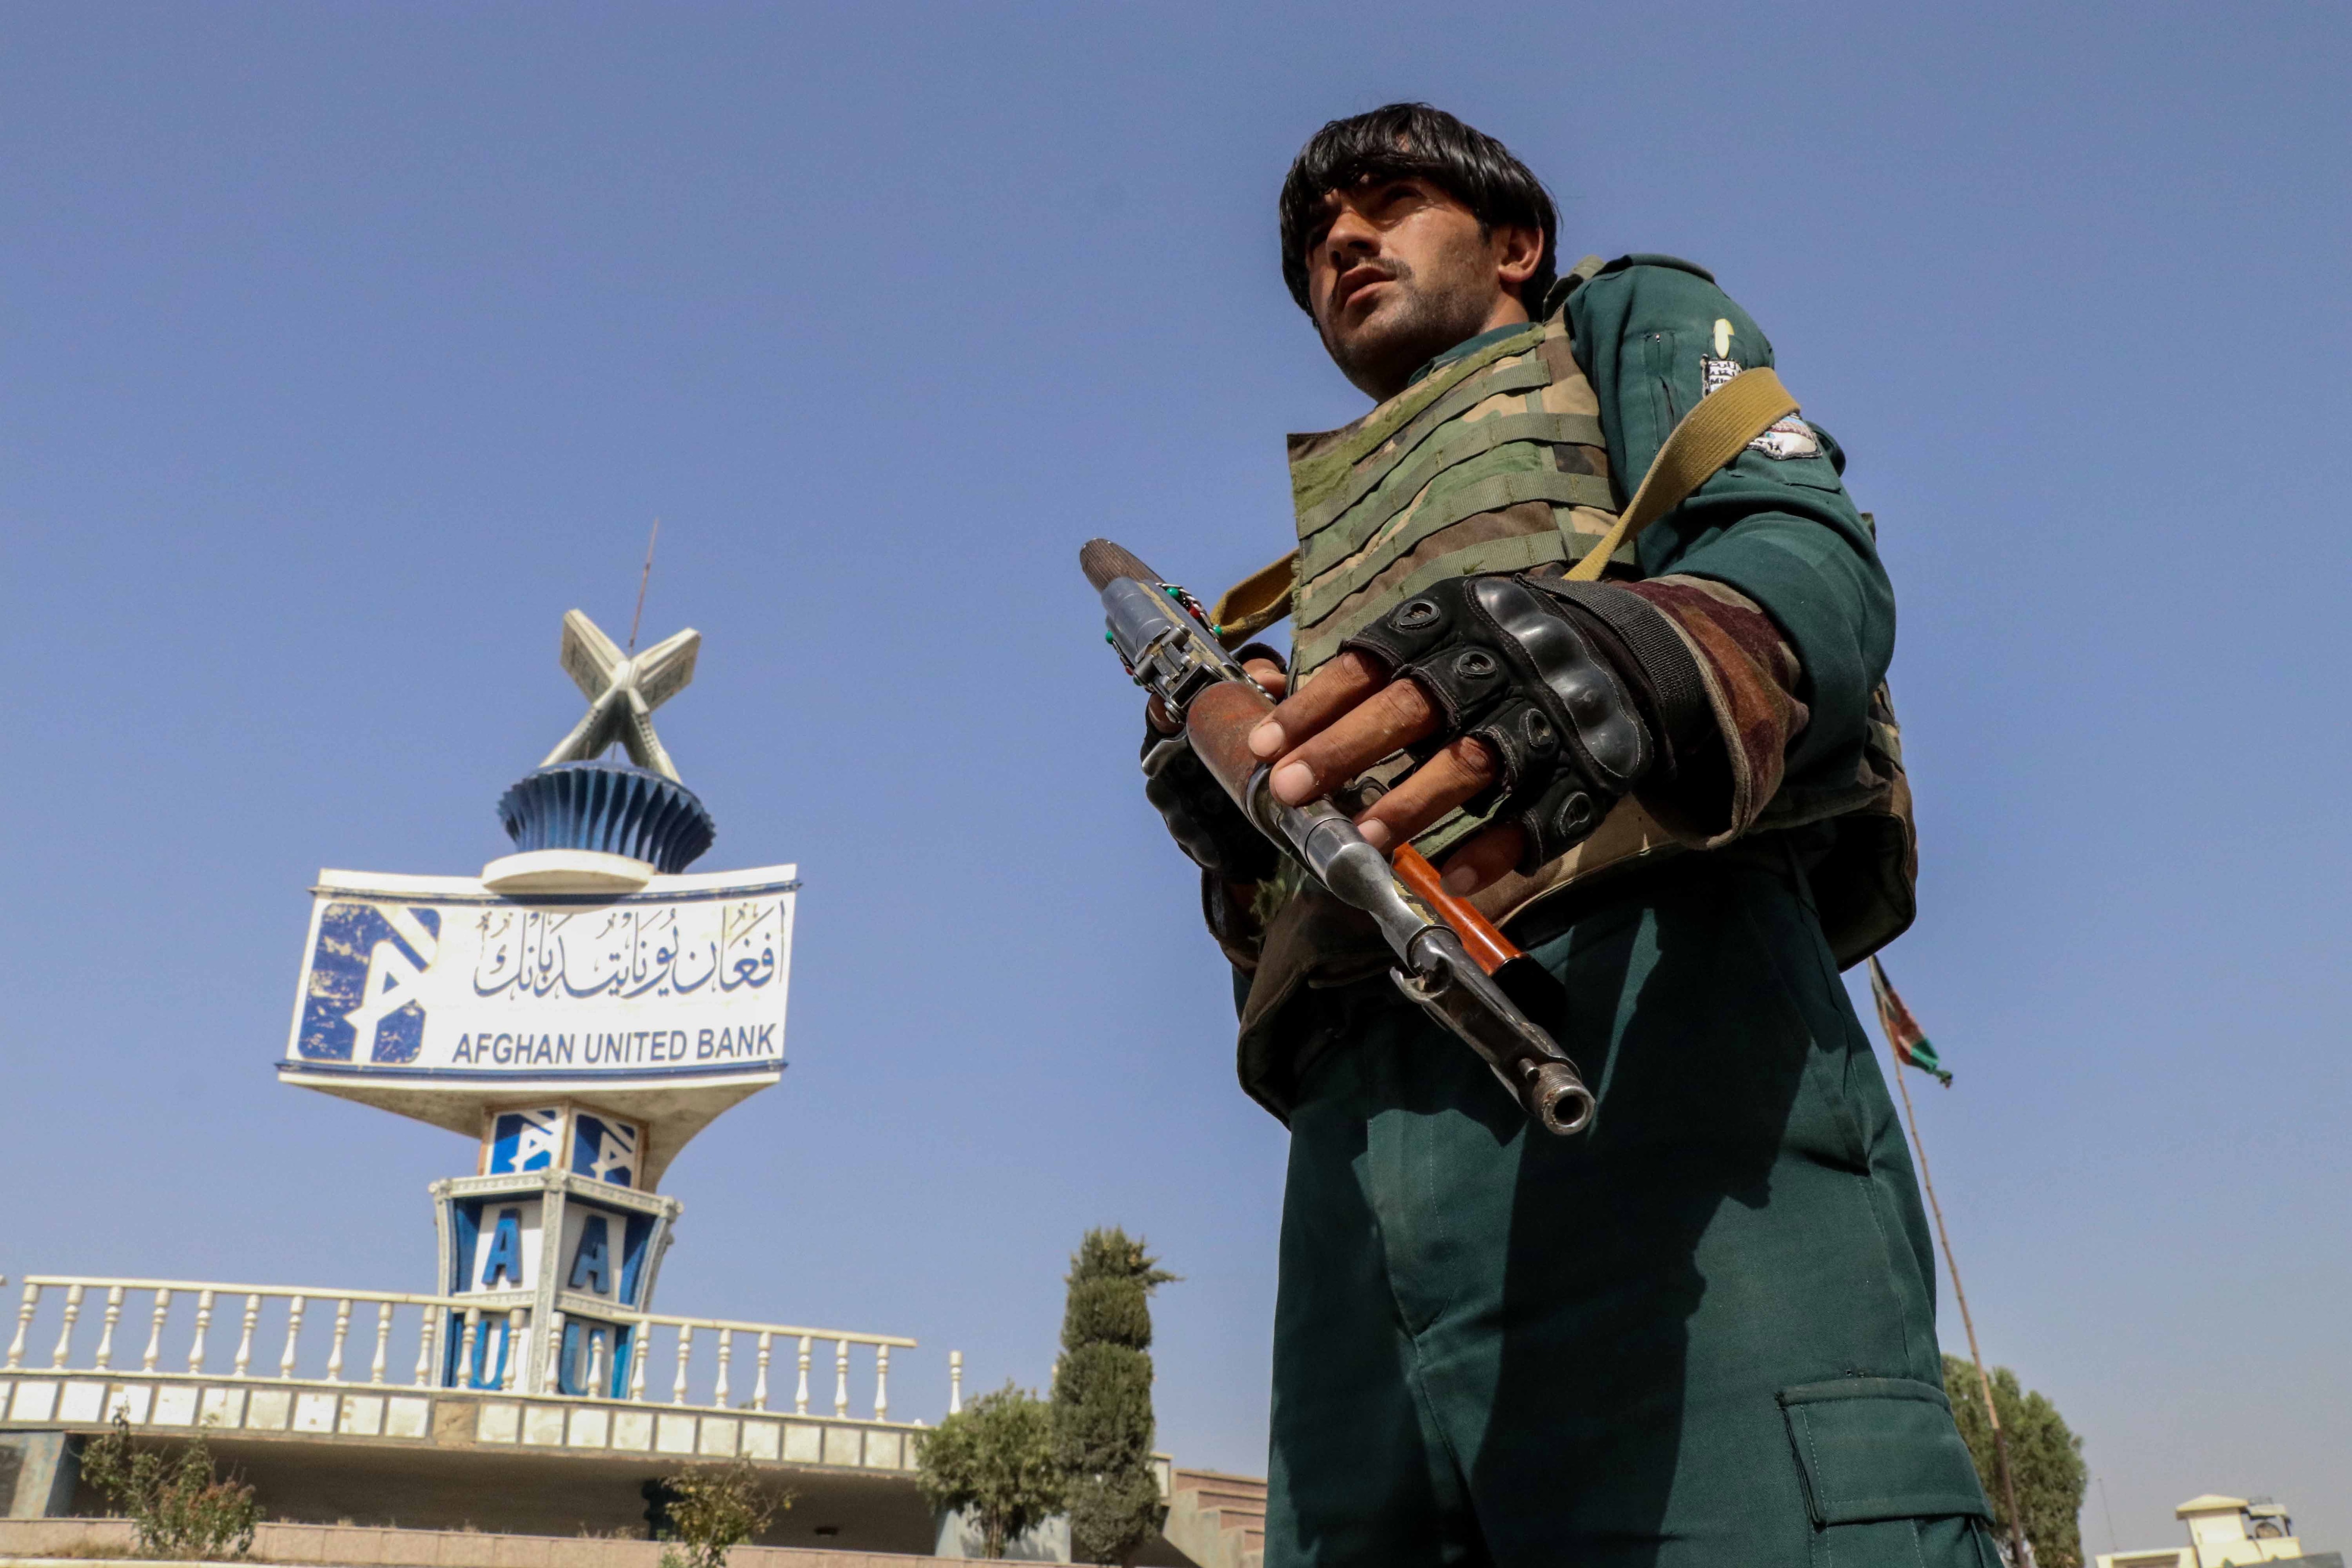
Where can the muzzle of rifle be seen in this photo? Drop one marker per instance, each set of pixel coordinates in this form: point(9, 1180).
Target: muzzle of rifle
point(1439, 975)
point(1433, 967)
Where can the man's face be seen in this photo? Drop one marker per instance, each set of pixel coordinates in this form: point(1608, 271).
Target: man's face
point(1397, 272)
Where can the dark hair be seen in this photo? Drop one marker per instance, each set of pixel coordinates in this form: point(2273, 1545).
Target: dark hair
point(1408, 140)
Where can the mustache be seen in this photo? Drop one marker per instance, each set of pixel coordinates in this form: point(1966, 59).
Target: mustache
point(1391, 268)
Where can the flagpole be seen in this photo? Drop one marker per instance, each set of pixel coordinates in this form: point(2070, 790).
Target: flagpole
point(1984, 1384)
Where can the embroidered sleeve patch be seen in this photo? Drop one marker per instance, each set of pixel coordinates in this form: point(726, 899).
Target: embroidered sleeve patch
point(1787, 437)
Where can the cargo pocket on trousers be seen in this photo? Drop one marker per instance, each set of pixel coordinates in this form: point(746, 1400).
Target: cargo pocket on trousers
point(1875, 1450)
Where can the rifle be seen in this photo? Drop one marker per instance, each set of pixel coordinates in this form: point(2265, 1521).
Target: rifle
point(1450, 959)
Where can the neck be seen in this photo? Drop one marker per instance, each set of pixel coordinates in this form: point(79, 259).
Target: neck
point(1505, 312)
point(1508, 311)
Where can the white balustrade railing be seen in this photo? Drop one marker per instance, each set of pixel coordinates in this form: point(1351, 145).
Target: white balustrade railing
point(192, 1306)
point(492, 1345)
point(700, 1354)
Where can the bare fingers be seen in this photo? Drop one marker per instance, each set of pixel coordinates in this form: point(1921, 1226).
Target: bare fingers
point(1463, 769)
point(1483, 861)
point(1270, 675)
point(1330, 691)
point(1390, 719)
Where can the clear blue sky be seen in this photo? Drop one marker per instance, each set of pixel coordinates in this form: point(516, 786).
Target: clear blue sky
point(344, 347)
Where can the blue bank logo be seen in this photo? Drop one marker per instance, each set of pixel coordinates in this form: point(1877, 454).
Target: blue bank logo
point(522, 1141)
point(364, 1001)
point(606, 1151)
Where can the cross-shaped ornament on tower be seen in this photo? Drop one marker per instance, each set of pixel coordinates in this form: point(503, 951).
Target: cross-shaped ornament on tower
point(623, 690)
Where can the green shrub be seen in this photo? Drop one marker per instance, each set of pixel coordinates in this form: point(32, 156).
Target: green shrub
point(178, 1506)
point(995, 1457)
point(708, 1511)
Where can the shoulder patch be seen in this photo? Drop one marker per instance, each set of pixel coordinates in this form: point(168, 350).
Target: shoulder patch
point(1653, 258)
point(1789, 437)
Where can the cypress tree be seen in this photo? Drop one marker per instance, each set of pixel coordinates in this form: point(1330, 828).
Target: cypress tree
point(1102, 1398)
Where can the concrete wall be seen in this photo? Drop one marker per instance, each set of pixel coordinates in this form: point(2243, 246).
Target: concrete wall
point(364, 1547)
point(436, 1459)
point(960, 1536)
point(38, 1472)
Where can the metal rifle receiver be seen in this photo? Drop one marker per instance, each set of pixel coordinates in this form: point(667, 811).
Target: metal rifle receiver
point(1451, 960)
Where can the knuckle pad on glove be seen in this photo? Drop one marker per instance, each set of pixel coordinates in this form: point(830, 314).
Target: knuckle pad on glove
point(1506, 665)
point(1557, 821)
point(1525, 744)
point(1403, 635)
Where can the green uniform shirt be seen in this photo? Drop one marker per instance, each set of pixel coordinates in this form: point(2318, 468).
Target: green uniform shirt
point(1782, 531)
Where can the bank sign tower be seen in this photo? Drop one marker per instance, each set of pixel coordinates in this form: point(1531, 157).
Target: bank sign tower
point(583, 1008)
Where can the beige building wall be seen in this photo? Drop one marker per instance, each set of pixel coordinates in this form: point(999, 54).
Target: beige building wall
point(2223, 1532)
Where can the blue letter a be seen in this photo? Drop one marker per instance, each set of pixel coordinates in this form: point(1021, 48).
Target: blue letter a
point(505, 1256)
point(592, 1266)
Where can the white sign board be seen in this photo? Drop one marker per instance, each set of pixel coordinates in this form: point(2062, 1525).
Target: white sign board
point(439, 978)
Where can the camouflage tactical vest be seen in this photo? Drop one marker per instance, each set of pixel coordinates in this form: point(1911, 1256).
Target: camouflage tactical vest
point(1493, 463)
point(1497, 462)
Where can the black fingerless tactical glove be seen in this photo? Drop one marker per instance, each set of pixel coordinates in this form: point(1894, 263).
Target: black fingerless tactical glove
point(1201, 816)
point(1578, 689)
point(1203, 819)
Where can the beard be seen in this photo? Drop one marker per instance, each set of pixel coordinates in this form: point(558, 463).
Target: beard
point(1414, 325)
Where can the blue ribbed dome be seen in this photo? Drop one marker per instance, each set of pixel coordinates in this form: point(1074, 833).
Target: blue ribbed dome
point(608, 806)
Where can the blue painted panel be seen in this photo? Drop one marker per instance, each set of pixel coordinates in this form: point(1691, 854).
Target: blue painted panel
point(568, 1363)
point(606, 1150)
point(359, 969)
point(489, 1370)
point(592, 1264)
point(633, 1258)
point(625, 1350)
point(465, 1226)
point(522, 1141)
point(503, 1259)
point(589, 1345)
point(489, 1367)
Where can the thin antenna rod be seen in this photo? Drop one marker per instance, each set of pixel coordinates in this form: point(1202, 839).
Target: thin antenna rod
point(644, 579)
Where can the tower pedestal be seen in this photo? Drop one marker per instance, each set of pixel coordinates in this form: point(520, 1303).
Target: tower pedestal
point(551, 1245)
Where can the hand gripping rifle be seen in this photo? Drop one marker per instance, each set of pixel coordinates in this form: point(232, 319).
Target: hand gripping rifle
point(1450, 959)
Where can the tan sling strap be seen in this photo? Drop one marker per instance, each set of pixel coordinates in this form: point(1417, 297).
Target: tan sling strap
point(1709, 436)
point(1254, 602)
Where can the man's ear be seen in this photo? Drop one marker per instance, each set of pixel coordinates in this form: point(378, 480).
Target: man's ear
point(1517, 250)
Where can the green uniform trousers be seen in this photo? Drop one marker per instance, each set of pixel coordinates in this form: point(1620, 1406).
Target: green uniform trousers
point(1700, 1334)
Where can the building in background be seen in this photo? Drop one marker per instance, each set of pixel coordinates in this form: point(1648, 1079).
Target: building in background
point(2228, 1530)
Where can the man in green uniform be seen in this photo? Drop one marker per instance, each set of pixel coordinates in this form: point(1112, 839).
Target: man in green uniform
point(1701, 1334)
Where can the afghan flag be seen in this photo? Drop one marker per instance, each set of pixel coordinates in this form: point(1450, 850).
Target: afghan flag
point(1902, 1031)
